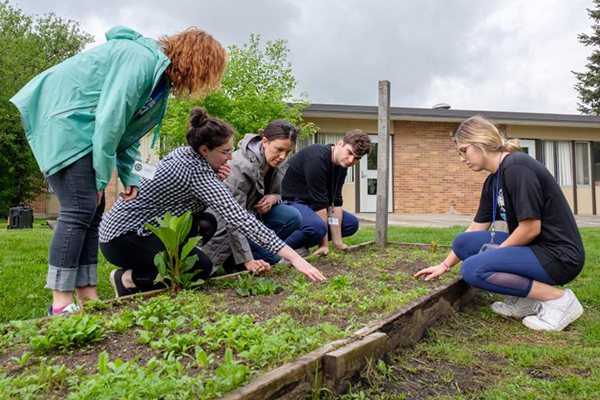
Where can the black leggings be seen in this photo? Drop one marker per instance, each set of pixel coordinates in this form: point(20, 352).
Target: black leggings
point(131, 251)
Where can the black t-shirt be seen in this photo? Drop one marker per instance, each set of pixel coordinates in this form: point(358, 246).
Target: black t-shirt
point(527, 190)
point(312, 178)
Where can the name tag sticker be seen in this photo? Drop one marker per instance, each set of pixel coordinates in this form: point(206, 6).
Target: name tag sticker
point(144, 170)
point(333, 221)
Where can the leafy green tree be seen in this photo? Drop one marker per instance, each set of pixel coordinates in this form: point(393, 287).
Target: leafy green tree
point(588, 82)
point(28, 46)
point(257, 88)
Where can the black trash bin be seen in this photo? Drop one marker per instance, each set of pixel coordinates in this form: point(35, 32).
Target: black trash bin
point(20, 217)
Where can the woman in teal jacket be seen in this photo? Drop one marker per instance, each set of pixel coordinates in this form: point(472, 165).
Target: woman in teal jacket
point(86, 115)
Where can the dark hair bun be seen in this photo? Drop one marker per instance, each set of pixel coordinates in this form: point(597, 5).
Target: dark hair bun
point(198, 117)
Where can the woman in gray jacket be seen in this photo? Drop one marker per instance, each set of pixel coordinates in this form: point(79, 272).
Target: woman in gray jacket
point(255, 182)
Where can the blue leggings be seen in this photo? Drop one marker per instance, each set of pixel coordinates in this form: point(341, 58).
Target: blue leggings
point(509, 270)
point(313, 229)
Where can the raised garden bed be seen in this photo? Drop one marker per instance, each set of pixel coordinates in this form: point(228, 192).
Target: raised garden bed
point(226, 337)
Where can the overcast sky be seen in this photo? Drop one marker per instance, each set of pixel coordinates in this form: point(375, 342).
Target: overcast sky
point(501, 55)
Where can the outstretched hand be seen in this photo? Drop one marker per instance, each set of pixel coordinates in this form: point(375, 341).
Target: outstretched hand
point(321, 250)
point(431, 272)
point(307, 269)
point(257, 266)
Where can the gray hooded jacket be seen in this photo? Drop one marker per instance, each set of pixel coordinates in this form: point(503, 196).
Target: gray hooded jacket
point(246, 183)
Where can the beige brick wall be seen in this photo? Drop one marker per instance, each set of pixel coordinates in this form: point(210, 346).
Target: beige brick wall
point(39, 205)
point(428, 174)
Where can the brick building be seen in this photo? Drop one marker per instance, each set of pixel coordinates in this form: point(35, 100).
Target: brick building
point(427, 175)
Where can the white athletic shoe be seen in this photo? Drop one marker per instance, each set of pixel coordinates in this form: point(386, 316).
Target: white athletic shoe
point(303, 252)
point(516, 307)
point(555, 315)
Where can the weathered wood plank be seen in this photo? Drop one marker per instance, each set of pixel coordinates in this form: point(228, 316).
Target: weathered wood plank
point(383, 164)
point(291, 381)
point(342, 365)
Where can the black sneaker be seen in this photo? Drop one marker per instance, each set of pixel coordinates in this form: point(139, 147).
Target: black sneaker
point(116, 281)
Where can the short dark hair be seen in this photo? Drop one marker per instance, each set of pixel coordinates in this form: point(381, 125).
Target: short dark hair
point(206, 130)
point(360, 141)
point(280, 129)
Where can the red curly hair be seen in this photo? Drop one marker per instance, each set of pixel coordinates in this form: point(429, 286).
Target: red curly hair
point(197, 62)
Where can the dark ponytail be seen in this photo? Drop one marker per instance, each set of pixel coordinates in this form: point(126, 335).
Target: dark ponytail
point(206, 130)
point(280, 129)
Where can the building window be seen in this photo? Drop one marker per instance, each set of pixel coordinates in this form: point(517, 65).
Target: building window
point(582, 160)
point(325, 138)
point(596, 165)
point(556, 156)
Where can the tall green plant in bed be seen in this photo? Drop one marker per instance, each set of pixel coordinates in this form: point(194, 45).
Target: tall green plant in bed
point(174, 264)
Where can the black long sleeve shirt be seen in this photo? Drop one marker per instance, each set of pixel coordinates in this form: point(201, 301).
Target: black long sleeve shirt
point(312, 178)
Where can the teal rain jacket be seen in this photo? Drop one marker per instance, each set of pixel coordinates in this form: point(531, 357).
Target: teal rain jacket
point(98, 101)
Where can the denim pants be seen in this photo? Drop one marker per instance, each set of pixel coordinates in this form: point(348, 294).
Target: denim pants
point(508, 270)
point(312, 229)
point(281, 219)
point(73, 255)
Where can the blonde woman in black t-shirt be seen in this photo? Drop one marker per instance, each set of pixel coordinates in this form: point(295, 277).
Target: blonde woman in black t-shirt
point(543, 248)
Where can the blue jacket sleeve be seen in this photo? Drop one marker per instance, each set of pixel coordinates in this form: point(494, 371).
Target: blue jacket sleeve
point(128, 79)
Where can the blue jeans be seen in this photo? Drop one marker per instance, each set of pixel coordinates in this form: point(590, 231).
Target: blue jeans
point(281, 219)
point(509, 270)
point(312, 228)
point(73, 254)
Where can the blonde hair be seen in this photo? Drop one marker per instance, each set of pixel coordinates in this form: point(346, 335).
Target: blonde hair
point(481, 133)
point(197, 62)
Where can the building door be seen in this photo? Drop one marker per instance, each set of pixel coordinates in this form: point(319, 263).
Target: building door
point(368, 179)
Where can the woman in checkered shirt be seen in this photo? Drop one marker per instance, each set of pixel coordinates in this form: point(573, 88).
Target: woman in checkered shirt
point(189, 178)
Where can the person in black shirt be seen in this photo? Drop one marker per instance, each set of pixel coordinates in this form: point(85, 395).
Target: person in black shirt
point(313, 185)
point(543, 248)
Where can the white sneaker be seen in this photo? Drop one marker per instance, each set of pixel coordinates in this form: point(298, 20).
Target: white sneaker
point(554, 315)
point(517, 307)
point(303, 252)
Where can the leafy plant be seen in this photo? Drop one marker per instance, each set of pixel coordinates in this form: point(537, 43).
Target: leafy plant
point(64, 333)
point(231, 374)
point(433, 246)
point(339, 282)
point(21, 361)
point(174, 263)
point(249, 285)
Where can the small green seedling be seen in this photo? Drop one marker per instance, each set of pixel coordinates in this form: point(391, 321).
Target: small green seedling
point(249, 285)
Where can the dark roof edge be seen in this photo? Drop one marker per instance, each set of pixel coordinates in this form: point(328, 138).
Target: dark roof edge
point(429, 114)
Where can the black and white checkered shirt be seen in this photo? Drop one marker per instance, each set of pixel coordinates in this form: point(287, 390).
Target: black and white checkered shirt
point(183, 181)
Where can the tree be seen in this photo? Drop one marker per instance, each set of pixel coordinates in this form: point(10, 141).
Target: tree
point(588, 82)
point(28, 46)
point(257, 88)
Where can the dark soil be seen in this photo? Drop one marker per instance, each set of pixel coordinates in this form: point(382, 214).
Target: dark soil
point(388, 269)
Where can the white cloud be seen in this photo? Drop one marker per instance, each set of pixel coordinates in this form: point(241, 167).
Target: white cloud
point(495, 55)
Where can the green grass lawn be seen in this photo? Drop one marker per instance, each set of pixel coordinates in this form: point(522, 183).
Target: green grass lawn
point(24, 263)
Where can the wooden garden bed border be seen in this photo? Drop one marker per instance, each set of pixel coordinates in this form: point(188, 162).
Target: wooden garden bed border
point(334, 365)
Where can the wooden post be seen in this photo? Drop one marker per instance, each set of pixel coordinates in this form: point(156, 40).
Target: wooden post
point(383, 163)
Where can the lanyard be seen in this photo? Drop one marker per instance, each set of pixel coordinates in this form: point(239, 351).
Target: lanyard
point(496, 184)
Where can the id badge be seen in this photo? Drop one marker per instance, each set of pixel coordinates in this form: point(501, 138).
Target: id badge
point(144, 170)
point(333, 221)
point(489, 247)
